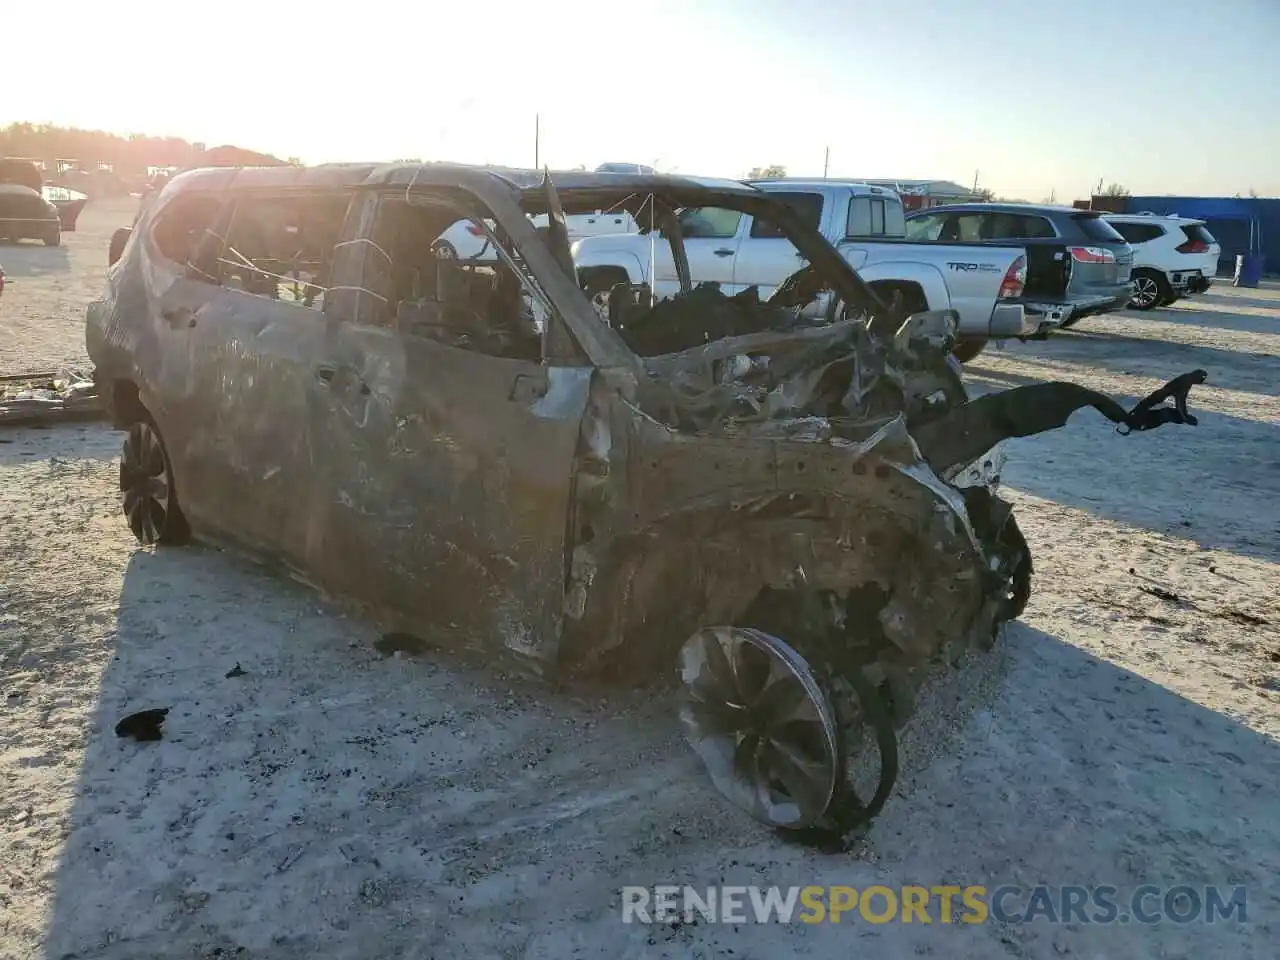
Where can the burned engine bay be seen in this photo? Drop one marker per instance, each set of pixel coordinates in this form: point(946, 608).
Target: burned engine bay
point(802, 487)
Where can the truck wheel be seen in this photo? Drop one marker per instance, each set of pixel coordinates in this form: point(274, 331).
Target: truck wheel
point(54, 237)
point(966, 350)
point(1149, 288)
point(598, 285)
point(147, 493)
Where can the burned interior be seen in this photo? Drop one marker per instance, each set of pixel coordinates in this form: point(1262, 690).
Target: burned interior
point(791, 499)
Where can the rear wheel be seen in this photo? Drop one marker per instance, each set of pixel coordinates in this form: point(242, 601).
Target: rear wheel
point(147, 493)
point(1149, 288)
point(54, 237)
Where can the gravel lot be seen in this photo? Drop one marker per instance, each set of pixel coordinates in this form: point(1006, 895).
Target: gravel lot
point(337, 802)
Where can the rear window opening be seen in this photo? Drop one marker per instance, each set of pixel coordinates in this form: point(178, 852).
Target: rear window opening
point(1199, 233)
point(876, 217)
point(1095, 228)
point(807, 205)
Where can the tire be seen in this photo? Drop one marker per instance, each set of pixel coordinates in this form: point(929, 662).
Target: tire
point(1149, 288)
point(53, 238)
point(444, 250)
point(966, 350)
point(598, 286)
point(148, 496)
point(118, 241)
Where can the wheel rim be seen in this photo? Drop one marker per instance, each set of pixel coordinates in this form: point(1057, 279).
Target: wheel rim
point(145, 486)
point(1144, 291)
point(445, 252)
point(766, 732)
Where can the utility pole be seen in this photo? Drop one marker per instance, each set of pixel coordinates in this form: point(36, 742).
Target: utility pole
point(975, 182)
point(537, 132)
point(826, 162)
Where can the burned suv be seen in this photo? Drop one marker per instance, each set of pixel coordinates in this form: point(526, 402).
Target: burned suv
point(791, 499)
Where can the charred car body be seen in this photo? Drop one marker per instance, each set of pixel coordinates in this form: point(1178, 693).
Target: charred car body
point(792, 498)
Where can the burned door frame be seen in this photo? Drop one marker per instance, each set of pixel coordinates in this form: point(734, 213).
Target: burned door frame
point(172, 293)
point(251, 361)
point(448, 472)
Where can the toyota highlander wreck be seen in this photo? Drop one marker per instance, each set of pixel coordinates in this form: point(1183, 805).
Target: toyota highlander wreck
point(790, 499)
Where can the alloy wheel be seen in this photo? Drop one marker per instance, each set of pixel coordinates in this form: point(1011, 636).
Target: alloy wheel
point(146, 487)
point(1145, 292)
point(754, 712)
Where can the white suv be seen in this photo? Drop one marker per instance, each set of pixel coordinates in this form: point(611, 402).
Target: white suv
point(1172, 256)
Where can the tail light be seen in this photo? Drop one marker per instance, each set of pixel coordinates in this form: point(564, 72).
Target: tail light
point(1193, 246)
point(1015, 279)
point(475, 229)
point(1092, 255)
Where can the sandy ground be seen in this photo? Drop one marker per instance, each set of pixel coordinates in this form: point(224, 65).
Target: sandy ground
point(335, 802)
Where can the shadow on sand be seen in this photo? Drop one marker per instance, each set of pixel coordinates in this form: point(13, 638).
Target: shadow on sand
point(1199, 483)
point(26, 259)
point(1227, 302)
point(1149, 356)
point(328, 803)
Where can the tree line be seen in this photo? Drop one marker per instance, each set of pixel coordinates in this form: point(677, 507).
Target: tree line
point(100, 163)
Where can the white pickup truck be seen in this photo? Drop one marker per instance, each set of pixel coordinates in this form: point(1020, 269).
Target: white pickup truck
point(982, 283)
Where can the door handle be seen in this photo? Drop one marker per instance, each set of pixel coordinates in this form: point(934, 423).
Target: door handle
point(723, 252)
point(325, 374)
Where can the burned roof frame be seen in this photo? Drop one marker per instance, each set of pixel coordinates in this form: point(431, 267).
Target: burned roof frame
point(512, 193)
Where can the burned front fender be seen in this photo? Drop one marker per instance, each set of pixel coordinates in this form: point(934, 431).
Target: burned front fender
point(674, 532)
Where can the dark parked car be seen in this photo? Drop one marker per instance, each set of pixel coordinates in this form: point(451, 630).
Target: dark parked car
point(68, 203)
point(1077, 264)
point(26, 214)
point(795, 507)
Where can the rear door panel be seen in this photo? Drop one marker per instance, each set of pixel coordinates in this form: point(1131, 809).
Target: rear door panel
point(446, 478)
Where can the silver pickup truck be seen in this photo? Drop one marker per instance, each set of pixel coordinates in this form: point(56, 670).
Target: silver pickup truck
point(865, 223)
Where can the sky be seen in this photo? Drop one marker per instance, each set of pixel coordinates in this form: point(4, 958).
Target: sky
point(1032, 98)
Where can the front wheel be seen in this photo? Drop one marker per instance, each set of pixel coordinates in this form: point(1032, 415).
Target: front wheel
point(444, 250)
point(147, 493)
point(1149, 288)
